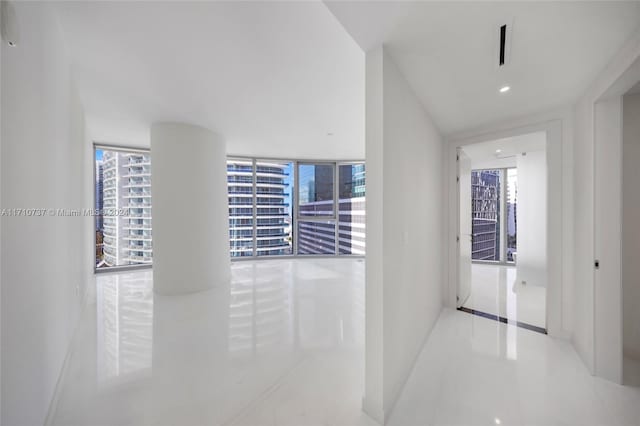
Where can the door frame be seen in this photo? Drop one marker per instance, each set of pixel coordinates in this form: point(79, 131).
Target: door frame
point(606, 115)
point(459, 236)
point(553, 152)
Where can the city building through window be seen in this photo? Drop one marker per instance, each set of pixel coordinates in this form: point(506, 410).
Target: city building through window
point(267, 216)
point(123, 207)
point(494, 198)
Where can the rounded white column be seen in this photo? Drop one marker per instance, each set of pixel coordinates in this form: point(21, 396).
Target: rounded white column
point(190, 209)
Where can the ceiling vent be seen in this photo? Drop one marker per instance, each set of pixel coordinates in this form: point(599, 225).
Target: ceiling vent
point(503, 53)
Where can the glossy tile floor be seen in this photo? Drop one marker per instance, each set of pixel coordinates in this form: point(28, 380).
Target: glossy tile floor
point(285, 347)
point(475, 371)
point(494, 290)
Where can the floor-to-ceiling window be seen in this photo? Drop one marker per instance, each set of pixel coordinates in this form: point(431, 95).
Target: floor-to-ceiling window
point(351, 208)
point(316, 208)
point(288, 207)
point(123, 207)
point(274, 235)
point(240, 185)
point(268, 216)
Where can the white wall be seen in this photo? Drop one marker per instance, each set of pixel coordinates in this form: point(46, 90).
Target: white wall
point(584, 312)
point(607, 238)
point(498, 163)
point(374, 116)
point(404, 222)
point(532, 218)
point(45, 265)
point(631, 226)
point(583, 234)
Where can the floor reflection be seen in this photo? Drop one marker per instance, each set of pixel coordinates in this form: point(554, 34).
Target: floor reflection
point(494, 290)
point(124, 309)
point(210, 357)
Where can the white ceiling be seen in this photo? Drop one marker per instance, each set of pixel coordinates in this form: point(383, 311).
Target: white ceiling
point(448, 52)
point(274, 78)
point(484, 155)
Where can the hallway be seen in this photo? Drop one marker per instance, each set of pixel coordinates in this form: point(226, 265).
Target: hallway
point(494, 291)
point(475, 371)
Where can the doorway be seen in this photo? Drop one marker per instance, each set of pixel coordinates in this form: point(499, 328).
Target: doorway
point(502, 244)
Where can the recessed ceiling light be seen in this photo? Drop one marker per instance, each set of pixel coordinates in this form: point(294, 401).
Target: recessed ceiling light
point(497, 421)
point(498, 151)
point(505, 89)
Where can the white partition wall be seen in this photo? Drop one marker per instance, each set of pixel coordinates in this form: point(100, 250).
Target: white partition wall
point(532, 218)
point(190, 209)
point(607, 237)
point(404, 232)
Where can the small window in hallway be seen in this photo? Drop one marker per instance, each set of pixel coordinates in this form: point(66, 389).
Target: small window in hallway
point(512, 214)
point(485, 211)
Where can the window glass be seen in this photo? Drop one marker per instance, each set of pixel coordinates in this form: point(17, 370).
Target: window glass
point(485, 210)
point(273, 204)
point(315, 192)
point(123, 207)
point(240, 191)
point(512, 208)
point(317, 237)
point(351, 208)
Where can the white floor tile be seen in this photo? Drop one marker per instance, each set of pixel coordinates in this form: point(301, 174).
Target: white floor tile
point(475, 371)
point(494, 290)
point(286, 347)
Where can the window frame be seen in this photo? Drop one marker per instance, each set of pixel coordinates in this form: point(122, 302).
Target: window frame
point(502, 209)
point(118, 148)
point(254, 160)
point(294, 203)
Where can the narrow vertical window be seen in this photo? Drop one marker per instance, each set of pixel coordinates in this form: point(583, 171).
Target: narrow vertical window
point(123, 207)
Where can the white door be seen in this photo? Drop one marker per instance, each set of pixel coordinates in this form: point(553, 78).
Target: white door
point(464, 230)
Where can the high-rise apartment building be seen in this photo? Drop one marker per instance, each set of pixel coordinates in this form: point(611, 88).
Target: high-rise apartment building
point(274, 214)
point(127, 204)
point(99, 191)
point(99, 194)
point(273, 217)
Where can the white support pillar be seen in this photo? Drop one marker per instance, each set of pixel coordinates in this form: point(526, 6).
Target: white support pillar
point(190, 209)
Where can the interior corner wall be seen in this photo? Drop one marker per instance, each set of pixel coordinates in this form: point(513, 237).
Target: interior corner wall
point(404, 236)
point(374, 143)
point(631, 226)
point(44, 262)
point(583, 243)
point(532, 218)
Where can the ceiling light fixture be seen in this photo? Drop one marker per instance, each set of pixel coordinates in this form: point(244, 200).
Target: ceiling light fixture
point(498, 151)
point(505, 89)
